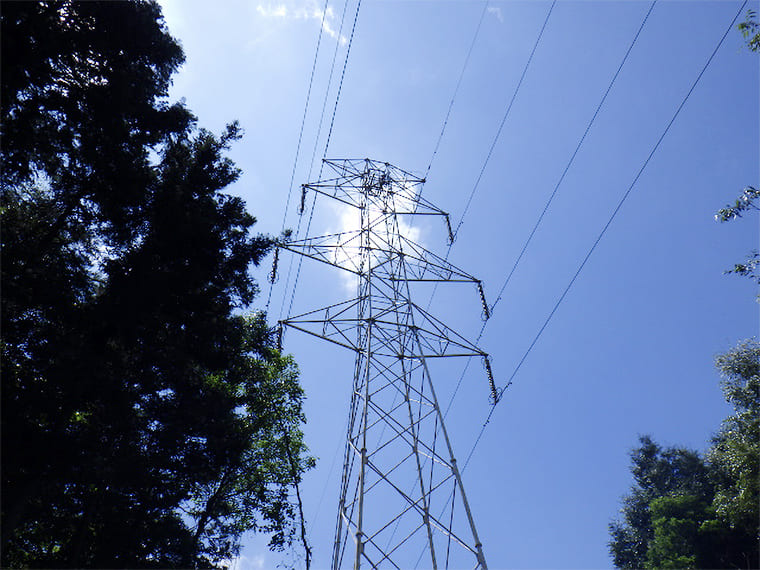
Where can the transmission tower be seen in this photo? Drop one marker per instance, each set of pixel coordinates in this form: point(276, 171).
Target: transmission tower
point(401, 502)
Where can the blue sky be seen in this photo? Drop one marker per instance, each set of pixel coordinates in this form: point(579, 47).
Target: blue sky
point(630, 349)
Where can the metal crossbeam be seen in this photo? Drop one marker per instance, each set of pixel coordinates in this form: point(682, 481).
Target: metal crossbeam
point(344, 250)
point(401, 492)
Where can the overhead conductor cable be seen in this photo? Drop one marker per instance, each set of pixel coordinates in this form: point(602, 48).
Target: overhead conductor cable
point(610, 220)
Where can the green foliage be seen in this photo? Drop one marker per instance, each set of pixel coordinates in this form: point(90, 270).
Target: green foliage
point(749, 268)
point(146, 421)
point(750, 29)
point(703, 513)
point(735, 452)
point(681, 539)
point(256, 480)
point(688, 512)
point(657, 473)
point(744, 202)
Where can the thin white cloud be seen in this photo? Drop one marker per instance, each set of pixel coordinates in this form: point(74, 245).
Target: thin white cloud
point(496, 11)
point(349, 220)
point(280, 11)
point(299, 10)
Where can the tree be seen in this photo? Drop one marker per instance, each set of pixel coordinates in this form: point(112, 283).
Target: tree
point(657, 472)
point(688, 512)
point(147, 418)
point(231, 502)
point(746, 201)
point(685, 511)
point(734, 456)
point(750, 29)
point(680, 537)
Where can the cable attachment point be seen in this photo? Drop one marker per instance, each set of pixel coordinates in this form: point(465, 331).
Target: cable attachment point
point(326, 321)
point(273, 273)
point(448, 228)
point(486, 311)
point(495, 394)
point(302, 205)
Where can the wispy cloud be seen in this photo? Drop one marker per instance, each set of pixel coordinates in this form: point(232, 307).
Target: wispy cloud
point(349, 220)
point(280, 11)
point(496, 11)
point(303, 11)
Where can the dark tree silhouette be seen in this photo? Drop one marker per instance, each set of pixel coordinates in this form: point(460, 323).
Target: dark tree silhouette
point(146, 420)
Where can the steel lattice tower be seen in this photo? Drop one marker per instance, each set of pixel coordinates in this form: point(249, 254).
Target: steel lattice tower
point(402, 502)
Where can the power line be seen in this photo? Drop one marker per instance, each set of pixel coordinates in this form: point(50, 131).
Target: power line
point(300, 133)
point(316, 143)
point(305, 109)
point(556, 188)
point(503, 120)
point(456, 89)
point(609, 222)
point(604, 230)
point(495, 140)
point(311, 165)
point(327, 145)
point(327, 91)
point(572, 158)
point(482, 170)
point(342, 77)
point(626, 194)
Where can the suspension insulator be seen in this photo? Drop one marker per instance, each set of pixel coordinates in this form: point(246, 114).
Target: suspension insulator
point(486, 310)
point(279, 337)
point(448, 228)
point(273, 273)
point(302, 205)
point(495, 394)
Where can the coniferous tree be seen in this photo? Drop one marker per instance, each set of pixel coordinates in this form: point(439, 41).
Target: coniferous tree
point(147, 422)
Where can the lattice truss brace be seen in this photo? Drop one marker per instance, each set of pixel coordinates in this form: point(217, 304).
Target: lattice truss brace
point(401, 502)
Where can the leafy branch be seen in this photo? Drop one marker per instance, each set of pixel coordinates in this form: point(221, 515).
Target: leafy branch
point(746, 201)
point(750, 29)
